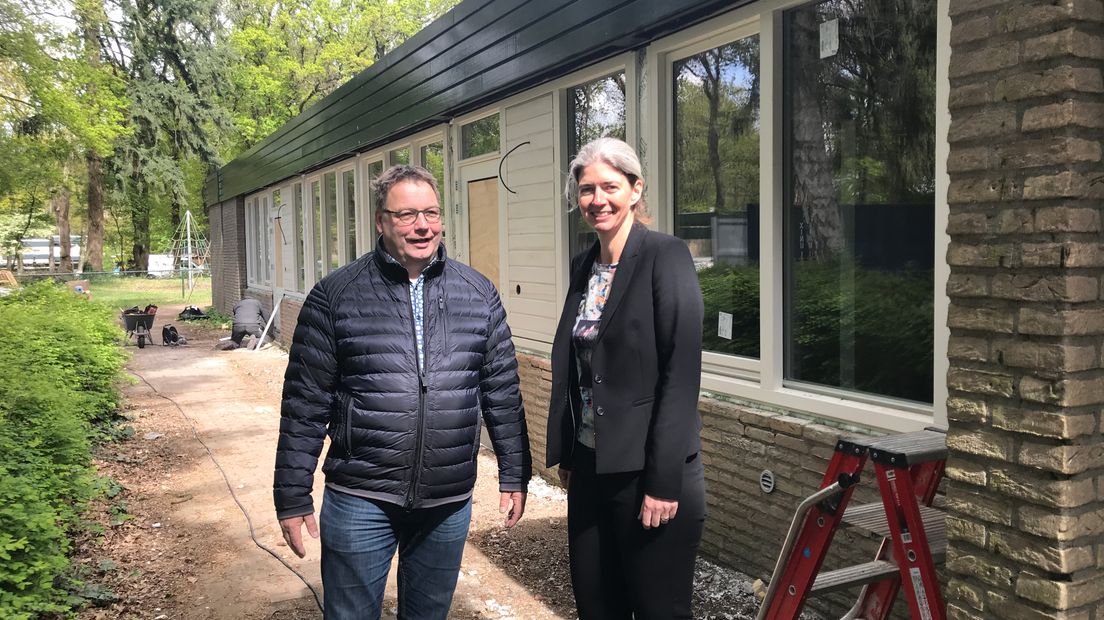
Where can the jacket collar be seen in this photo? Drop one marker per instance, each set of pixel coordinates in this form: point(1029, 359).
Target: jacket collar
point(394, 270)
point(626, 265)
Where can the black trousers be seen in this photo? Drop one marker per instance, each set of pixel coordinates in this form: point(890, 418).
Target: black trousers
point(619, 570)
point(239, 332)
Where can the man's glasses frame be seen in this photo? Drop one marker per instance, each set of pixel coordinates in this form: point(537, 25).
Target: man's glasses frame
point(407, 217)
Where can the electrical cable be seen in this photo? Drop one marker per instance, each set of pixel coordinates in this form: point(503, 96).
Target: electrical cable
point(229, 487)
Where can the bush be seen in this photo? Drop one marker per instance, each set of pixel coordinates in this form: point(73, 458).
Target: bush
point(852, 327)
point(59, 363)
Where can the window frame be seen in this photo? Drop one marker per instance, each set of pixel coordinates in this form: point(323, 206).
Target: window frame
point(762, 380)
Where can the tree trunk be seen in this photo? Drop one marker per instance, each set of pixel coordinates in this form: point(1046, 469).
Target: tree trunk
point(140, 217)
point(60, 207)
point(92, 250)
point(813, 173)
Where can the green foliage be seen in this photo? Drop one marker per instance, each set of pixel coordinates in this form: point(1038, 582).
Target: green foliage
point(853, 327)
point(732, 289)
point(60, 364)
point(288, 55)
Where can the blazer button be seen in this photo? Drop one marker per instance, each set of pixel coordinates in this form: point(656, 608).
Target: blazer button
point(597, 378)
point(599, 410)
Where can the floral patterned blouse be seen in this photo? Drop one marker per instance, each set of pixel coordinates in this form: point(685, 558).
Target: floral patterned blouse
point(584, 335)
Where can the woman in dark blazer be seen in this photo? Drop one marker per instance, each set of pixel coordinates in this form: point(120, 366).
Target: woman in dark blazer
point(623, 423)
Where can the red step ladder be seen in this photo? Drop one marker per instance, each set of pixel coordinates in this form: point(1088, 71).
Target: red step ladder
point(908, 468)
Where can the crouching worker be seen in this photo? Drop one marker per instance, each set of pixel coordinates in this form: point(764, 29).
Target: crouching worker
point(249, 320)
point(397, 356)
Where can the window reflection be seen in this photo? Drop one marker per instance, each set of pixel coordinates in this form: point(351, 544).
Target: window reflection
point(349, 185)
point(716, 187)
point(331, 221)
point(595, 110)
point(479, 137)
point(433, 160)
point(860, 128)
point(300, 237)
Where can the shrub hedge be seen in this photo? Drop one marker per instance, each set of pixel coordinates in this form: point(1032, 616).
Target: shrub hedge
point(888, 314)
point(59, 366)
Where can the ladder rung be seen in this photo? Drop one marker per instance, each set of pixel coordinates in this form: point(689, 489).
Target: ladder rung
point(872, 518)
point(909, 448)
point(849, 576)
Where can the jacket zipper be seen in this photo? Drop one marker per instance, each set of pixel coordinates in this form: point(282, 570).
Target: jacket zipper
point(347, 412)
point(421, 363)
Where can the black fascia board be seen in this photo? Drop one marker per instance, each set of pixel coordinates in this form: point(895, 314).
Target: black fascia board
point(480, 52)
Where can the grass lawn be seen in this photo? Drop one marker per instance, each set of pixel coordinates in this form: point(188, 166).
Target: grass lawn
point(126, 291)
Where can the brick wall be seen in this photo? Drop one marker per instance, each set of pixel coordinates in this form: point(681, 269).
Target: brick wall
point(289, 315)
point(228, 276)
point(1026, 384)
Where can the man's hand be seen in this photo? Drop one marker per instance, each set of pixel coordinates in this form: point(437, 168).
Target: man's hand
point(512, 504)
point(655, 512)
point(293, 532)
point(565, 477)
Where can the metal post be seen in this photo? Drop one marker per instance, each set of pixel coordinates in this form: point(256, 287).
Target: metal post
point(188, 235)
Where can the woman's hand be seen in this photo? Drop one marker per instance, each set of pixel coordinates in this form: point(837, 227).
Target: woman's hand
point(655, 512)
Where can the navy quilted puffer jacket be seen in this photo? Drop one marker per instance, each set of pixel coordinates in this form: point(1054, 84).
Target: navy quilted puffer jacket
point(397, 435)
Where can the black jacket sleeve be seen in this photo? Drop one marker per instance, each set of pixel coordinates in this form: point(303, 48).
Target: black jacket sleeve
point(309, 387)
point(678, 314)
point(501, 403)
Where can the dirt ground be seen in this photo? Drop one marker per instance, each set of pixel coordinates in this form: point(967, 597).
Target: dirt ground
point(190, 530)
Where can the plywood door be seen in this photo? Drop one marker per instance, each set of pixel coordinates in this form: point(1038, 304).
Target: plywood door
point(482, 198)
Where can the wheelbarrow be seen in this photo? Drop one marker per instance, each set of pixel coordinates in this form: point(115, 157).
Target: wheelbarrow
point(138, 325)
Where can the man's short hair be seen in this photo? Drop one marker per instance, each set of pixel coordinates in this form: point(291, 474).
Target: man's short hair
point(397, 174)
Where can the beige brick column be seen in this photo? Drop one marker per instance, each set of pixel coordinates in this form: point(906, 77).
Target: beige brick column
point(1026, 476)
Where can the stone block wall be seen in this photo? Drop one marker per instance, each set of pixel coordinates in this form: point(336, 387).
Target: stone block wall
point(1026, 380)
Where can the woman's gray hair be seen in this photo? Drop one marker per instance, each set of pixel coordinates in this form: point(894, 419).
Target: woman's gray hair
point(615, 154)
point(397, 174)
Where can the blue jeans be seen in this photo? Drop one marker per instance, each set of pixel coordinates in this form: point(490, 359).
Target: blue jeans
point(359, 537)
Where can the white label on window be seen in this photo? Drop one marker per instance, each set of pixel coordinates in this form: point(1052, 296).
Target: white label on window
point(829, 38)
point(724, 325)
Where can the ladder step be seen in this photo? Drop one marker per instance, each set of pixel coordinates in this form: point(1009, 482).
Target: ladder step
point(909, 448)
point(850, 576)
point(872, 518)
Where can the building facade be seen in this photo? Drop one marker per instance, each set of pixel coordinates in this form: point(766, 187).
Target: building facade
point(894, 206)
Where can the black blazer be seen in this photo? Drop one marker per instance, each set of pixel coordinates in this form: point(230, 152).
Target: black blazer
point(646, 364)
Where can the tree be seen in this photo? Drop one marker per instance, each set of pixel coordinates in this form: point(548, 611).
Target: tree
point(288, 54)
point(168, 52)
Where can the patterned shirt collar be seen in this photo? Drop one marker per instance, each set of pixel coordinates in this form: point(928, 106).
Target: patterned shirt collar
point(391, 259)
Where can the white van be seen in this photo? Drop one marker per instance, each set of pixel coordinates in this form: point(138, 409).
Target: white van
point(161, 266)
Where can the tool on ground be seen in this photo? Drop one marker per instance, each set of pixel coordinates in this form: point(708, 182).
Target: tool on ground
point(908, 468)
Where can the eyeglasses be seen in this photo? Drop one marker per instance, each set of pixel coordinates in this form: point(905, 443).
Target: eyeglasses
point(407, 217)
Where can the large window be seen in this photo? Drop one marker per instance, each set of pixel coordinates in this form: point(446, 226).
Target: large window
point(300, 238)
point(479, 137)
point(715, 186)
point(332, 240)
point(316, 229)
point(259, 233)
point(859, 126)
point(432, 157)
point(348, 185)
point(595, 109)
point(375, 169)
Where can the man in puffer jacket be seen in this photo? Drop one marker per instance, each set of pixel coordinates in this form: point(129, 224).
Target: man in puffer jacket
point(398, 357)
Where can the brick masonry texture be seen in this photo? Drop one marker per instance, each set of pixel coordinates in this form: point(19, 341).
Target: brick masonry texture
point(227, 222)
point(1026, 379)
